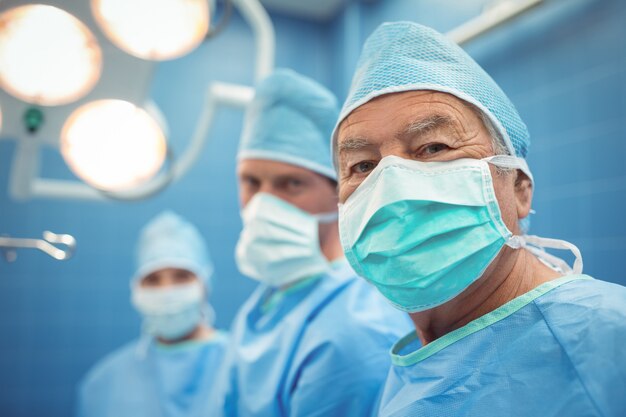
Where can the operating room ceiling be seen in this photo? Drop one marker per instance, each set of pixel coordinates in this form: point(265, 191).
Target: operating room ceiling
point(319, 10)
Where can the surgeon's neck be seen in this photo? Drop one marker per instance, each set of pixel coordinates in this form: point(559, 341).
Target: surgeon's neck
point(202, 332)
point(513, 273)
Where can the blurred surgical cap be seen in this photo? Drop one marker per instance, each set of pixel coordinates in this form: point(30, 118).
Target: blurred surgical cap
point(291, 120)
point(169, 241)
point(406, 56)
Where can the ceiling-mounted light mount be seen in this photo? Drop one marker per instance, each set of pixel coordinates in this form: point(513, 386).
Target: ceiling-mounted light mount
point(25, 181)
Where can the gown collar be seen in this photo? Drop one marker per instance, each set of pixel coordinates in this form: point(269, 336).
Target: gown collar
point(419, 353)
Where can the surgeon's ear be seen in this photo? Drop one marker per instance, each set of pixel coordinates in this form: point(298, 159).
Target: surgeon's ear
point(523, 194)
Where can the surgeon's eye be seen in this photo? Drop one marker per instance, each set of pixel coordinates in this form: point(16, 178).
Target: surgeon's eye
point(151, 280)
point(433, 148)
point(249, 183)
point(363, 167)
point(183, 276)
point(293, 185)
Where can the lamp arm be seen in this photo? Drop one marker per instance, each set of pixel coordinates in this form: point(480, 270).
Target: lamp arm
point(263, 33)
point(489, 19)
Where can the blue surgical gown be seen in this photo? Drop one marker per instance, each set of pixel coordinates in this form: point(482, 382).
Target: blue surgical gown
point(319, 349)
point(153, 380)
point(559, 350)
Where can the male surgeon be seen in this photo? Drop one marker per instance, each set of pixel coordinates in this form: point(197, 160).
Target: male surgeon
point(171, 370)
point(313, 339)
point(433, 186)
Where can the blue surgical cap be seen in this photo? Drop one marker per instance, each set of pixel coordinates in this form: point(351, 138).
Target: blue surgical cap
point(169, 241)
point(406, 56)
point(291, 120)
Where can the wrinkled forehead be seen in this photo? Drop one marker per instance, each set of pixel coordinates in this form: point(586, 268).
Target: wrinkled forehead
point(391, 114)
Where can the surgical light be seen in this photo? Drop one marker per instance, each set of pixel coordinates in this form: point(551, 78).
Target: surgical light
point(113, 145)
point(153, 29)
point(47, 56)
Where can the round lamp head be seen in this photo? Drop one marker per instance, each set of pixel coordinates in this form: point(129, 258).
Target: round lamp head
point(153, 29)
point(113, 145)
point(47, 56)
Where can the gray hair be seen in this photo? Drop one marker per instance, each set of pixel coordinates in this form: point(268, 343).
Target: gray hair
point(499, 148)
point(497, 140)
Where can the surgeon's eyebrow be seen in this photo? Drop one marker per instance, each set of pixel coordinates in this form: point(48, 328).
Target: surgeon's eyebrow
point(347, 146)
point(353, 144)
point(424, 126)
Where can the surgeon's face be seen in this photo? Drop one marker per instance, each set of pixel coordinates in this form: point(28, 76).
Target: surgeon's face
point(303, 188)
point(168, 277)
point(424, 126)
point(300, 187)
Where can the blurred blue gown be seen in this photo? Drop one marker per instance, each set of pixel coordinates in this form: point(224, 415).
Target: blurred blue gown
point(168, 381)
point(559, 350)
point(320, 348)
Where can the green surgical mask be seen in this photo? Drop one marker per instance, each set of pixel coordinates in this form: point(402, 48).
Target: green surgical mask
point(422, 232)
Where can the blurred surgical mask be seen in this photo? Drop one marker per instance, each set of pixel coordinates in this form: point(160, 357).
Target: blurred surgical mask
point(172, 312)
point(279, 243)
